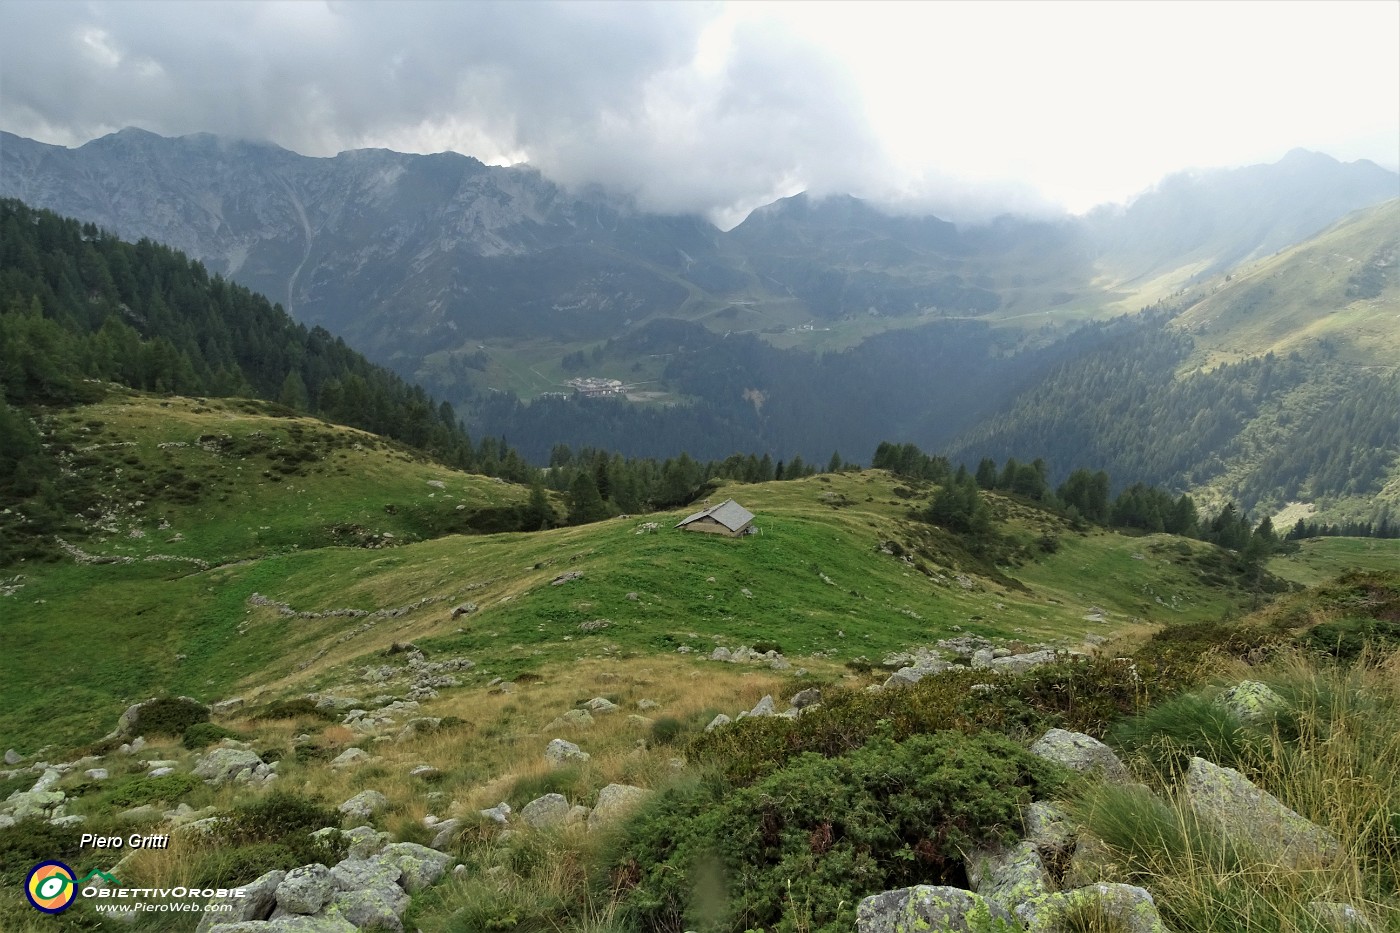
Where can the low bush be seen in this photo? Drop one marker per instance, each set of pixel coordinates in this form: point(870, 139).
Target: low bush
point(800, 848)
point(168, 788)
point(171, 716)
point(203, 734)
point(298, 708)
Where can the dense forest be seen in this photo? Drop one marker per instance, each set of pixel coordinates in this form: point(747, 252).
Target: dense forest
point(1292, 429)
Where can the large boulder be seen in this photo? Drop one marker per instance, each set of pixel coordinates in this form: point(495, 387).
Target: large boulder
point(305, 890)
point(546, 812)
point(1122, 908)
point(1228, 800)
point(1020, 663)
point(1082, 753)
point(260, 897)
point(613, 802)
point(925, 908)
point(223, 764)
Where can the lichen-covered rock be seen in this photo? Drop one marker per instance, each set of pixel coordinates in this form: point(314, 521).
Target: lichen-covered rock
point(363, 805)
point(804, 698)
point(1122, 908)
point(546, 812)
point(1251, 701)
point(1008, 877)
point(1340, 918)
point(354, 874)
point(926, 908)
point(1091, 862)
point(377, 908)
point(1252, 816)
point(574, 718)
point(601, 705)
point(257, 904)
point(305, 890)
point(420, 865)
point(614, 801)
point(1048, 826)
point(223, 764)
point(720, 720)
point(559, 752)
point(1082, 753)
point(364, 840)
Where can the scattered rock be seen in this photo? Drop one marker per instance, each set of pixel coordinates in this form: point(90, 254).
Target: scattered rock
point(1082, 753)
point(560, 752)
point(465, 609)
point(425, 773)
point(804, 698)
point(566, 577)
point(763, 707)
point(1019, 663)
point(500, 813)
point(647, 706)
point(420, 865)
point(224, 763)
point(96, 774)
point(720, 720)
point(350, 757)
point(224, 707)
point(614, 801)
point(363, 805)
point(445, 832)
point(13, 757)
point(601, 705)
point(546, 812)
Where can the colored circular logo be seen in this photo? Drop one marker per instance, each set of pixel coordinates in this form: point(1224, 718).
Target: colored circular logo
point(50, 887)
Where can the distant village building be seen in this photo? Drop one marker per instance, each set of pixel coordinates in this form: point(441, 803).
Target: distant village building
point(729, 518)
point(593, 387)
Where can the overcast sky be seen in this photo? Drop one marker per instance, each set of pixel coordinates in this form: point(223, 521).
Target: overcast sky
point(963, 109)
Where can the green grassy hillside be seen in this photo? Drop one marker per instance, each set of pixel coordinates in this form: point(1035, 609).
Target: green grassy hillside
point(1337, 293)
point(361, 537)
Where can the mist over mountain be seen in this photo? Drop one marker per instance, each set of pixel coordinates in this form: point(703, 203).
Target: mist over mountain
point(813, 325)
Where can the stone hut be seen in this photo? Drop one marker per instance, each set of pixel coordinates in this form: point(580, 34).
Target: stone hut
point(729, 518)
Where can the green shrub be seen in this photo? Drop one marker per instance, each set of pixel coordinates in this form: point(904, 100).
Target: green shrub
point(171, 716)
point(1348, 639)
point(276, 817)
point(800, 848)
point(666, 730)
point(572, 782)
point(203, 734)
point(299, 708)
point(166, 789)
point(763, 647)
